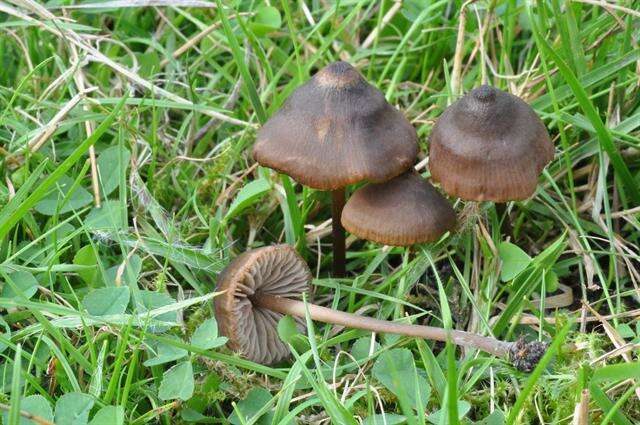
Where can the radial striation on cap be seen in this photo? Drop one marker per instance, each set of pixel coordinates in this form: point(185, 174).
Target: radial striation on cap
point(252, 331)
point(489, 146)
point(403, 211)
point(337, 130)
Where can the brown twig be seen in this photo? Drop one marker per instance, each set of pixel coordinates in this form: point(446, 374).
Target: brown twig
point(35, 418)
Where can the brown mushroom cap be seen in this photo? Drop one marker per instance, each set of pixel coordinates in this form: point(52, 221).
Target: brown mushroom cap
point(489, 146)
point(337, 130)
point(252, 331)
point(403, 211)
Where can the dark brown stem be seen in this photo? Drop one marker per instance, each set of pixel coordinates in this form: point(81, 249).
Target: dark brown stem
point(339, 248)
point(327, 315)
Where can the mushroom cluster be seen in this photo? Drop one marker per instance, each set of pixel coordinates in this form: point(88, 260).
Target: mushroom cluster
point(337, 130)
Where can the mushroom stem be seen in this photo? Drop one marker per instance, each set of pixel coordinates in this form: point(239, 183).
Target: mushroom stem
point(525, 356)
point(339, 248)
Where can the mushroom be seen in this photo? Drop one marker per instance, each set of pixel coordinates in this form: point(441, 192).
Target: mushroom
point(403, 211)
point(252, 329)
point(489, 146)
point(262, 285)
point(333, 131)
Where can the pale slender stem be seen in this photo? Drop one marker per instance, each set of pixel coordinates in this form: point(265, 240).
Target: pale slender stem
point(397, 5)
point(456, 77)
point(322, 314)
point(47, 130)
point(80, 83)
point(339, 245)
point(95, 185)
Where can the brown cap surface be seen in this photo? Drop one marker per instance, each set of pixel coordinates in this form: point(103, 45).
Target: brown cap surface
point(252, 331)
point(337, 130)
point(403, 211)
point(489, 146)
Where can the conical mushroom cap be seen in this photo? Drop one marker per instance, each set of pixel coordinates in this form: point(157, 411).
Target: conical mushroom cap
point(337, 130)
point(252, 331)
point(403, 211)
point(489, 146)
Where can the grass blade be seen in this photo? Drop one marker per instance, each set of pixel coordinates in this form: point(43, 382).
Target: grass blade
point(42, 189)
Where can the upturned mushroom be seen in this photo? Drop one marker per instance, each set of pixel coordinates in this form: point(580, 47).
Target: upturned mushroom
point(403, 211)
point(262, 285)
point(333, 131)
point(489, 146)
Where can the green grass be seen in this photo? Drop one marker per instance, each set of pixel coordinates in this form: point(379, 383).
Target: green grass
point(106, 313)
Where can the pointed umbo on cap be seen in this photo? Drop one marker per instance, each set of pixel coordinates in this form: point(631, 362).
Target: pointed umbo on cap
point(253, 331)
point(337, 130)
point(489, 146)
point(403, 211)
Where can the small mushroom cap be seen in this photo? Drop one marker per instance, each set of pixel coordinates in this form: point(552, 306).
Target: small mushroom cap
point(403, 211)
point(252, 331)
point(337, 130)
point(489, 146)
